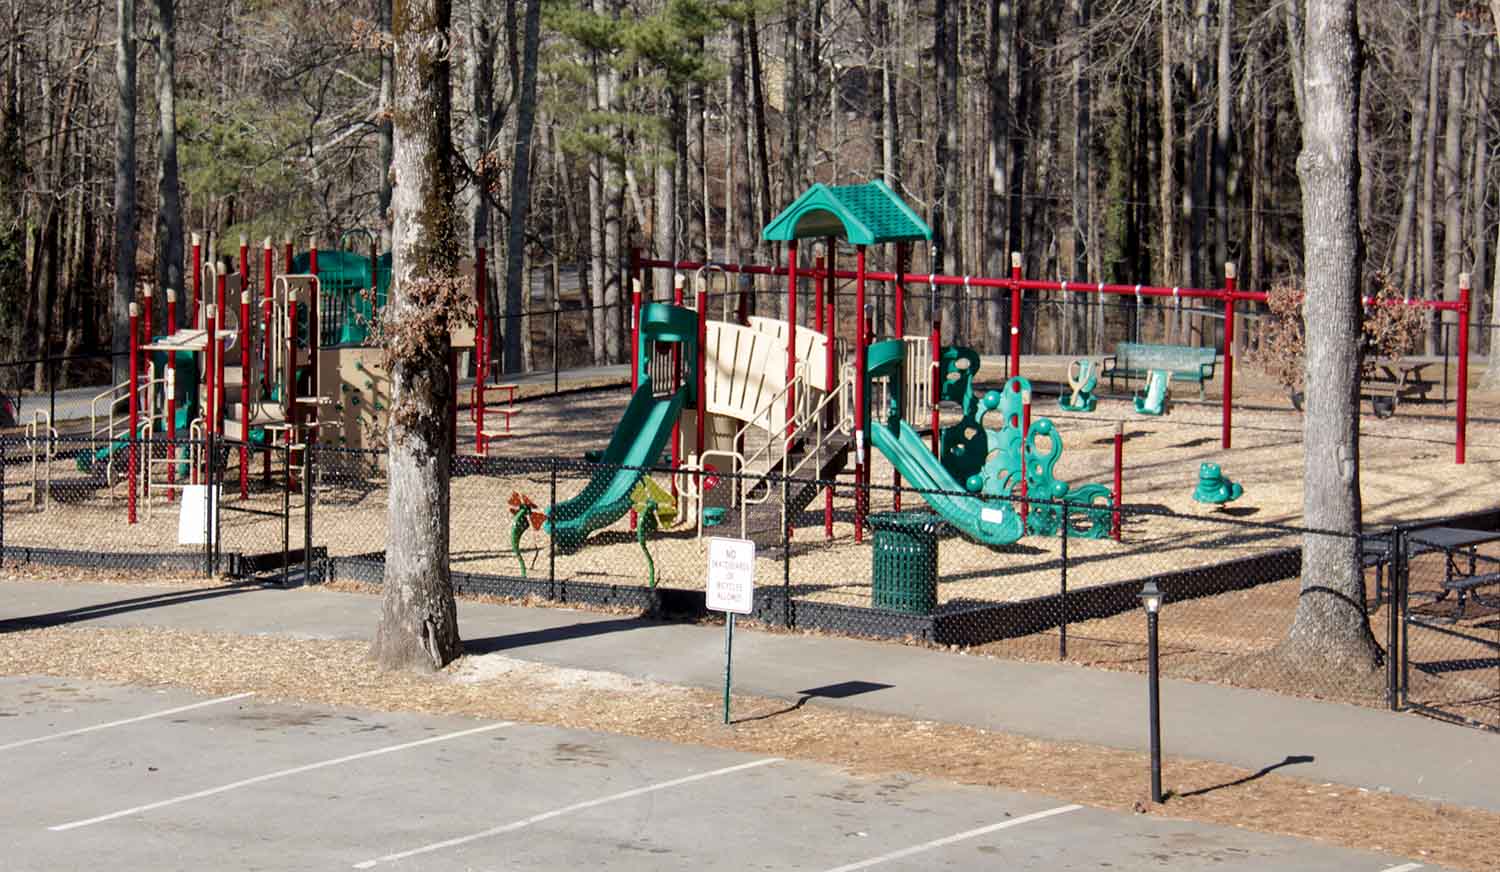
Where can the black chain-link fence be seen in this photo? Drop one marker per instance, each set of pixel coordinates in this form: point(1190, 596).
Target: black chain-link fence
point(634, 538)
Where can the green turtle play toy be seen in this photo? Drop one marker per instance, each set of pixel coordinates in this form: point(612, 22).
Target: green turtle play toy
point(1213, 488)
point(1083, 377)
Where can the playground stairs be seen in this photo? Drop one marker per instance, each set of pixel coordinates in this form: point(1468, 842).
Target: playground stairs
point(763, 519)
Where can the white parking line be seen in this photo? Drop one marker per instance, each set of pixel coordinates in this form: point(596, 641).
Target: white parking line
point(271, 776)
point(956, 837)
point(1404, 867)
point(559, 812)
point(161, 714)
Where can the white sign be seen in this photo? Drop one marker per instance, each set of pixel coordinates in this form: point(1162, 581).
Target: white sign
point(731, 575)
point(193, 523)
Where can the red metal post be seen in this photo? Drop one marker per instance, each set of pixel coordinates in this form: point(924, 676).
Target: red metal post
point(935, 346)
point(289, 389)
point(677, 298)
point(700, 377)
point(900, 329)
point(147, 336)
point(1119, 478)
point(197, 285)
point(1025, 432)
point(244, 386)
point(861, 413)
point(314, 307)
point(219, 310)
point(1463, 369)
point(833, 379)
point(791, 336)
point(210, 364)
point(171, 397)
point(267, 273)
point(820, 277)
point(635, 334)
point(481, 351)
point(1015, 315)
point(132, 456)
point(245, 283)
point(1228, 403)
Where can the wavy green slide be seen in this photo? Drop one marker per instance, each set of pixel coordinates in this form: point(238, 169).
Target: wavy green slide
point(637, 441)
point(992, 524)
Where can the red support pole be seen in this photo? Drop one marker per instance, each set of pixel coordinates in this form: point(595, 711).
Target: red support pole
point(219, 310)
point(700, 377)
point(900, 329)
point(1025, 432)
point(245, 283)
point(244, 387)
point(1463, 369)
point(210, 364)
point(1228, 403)
point(635, 263)
point(935, 346)
point(635, 334)
point(133, 455)
point(289, 389)
point(147, 337)
point(171, 397)
point(452, 400)
point(861, 412)
point(197, 285)
point(267, 274)
point(286, 256)
point(481, 351)
point(1119, 478)
point(677, 299)
point(820, 278)
point(314, 307)
point(833, 379)
point(1015, 315)
point(791, 336)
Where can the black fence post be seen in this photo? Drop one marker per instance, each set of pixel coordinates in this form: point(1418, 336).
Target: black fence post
point(786, 555)
point(1062, 599)
point(552, 539)
point(1392, 631)
point(4, 444)
point(307, 511)
point(286, 513)
point(1398, 588)
point(556, 341)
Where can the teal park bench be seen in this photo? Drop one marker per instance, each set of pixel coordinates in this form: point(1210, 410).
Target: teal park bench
point(1185, 362)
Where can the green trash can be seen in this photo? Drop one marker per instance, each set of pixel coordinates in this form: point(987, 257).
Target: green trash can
point(905, 561)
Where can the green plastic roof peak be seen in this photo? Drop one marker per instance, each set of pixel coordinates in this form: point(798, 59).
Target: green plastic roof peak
point(861, 214)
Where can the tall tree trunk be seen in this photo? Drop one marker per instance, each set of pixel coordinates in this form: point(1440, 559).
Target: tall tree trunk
point(383, 127)
point(1222, 131)
point(1082, 217)
point(1479, 172)
point(999, 55)
point(125, 235)
point(742, 204)
point(698, 245)
point(665, 243)
point(1452, 175)
point(948, 224)
point(1399, 262)
point(419, 620)
point(1427, 208)
point(1168, 180)
point(1331, 633)
point(169, 251)
point(520, 192)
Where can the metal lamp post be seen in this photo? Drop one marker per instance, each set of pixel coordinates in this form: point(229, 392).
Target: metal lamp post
point(1151, 599)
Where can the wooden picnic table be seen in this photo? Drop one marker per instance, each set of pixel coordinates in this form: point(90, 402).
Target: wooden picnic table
point(1388, 383)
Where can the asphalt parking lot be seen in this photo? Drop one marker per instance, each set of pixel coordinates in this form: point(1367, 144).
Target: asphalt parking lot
point(133, 778)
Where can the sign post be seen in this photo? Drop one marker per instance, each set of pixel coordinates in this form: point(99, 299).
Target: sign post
point(731, 589)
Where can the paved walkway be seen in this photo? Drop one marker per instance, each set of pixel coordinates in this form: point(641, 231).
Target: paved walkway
point(1361, 747)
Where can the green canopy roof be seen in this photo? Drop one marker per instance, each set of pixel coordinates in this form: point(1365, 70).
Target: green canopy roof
point(862, 214)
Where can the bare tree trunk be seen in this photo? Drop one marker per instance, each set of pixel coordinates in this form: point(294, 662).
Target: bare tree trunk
point(947, 223)
point(516, 302)
point(1331, 632)
point(1082, 217)
point(1222, 132)
point(698, 247)
point(666, 244)
point(168, 192)
point(1452, 176)
point(742, 204)
point(1000, 45)
point(1479, 171)
point(419, 620)
point(125, 235)
point(383, 127)
point(1399, 262)
point(1427, 206)
point(1168, 181)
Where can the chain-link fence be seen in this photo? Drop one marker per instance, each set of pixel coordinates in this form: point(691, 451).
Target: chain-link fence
point(1003, 576)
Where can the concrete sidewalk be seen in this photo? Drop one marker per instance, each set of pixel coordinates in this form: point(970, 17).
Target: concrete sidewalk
point(1361, 747)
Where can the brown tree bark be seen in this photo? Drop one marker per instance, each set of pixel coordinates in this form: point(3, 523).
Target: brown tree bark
point(169, 249)
point(1400, 259)
point(1331, 632)
point(1456, 62)
point(999, 56)
point(1168, 178)
point(419, 622)
point(125, 169)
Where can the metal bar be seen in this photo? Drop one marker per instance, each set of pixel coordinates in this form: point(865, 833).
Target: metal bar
point(308, 459)
point(1062, 599)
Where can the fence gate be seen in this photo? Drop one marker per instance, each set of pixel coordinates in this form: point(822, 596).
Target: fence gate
point(1449, 591)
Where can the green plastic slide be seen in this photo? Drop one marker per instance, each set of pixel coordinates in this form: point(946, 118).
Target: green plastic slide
point(637, 441)
point(990, 523)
